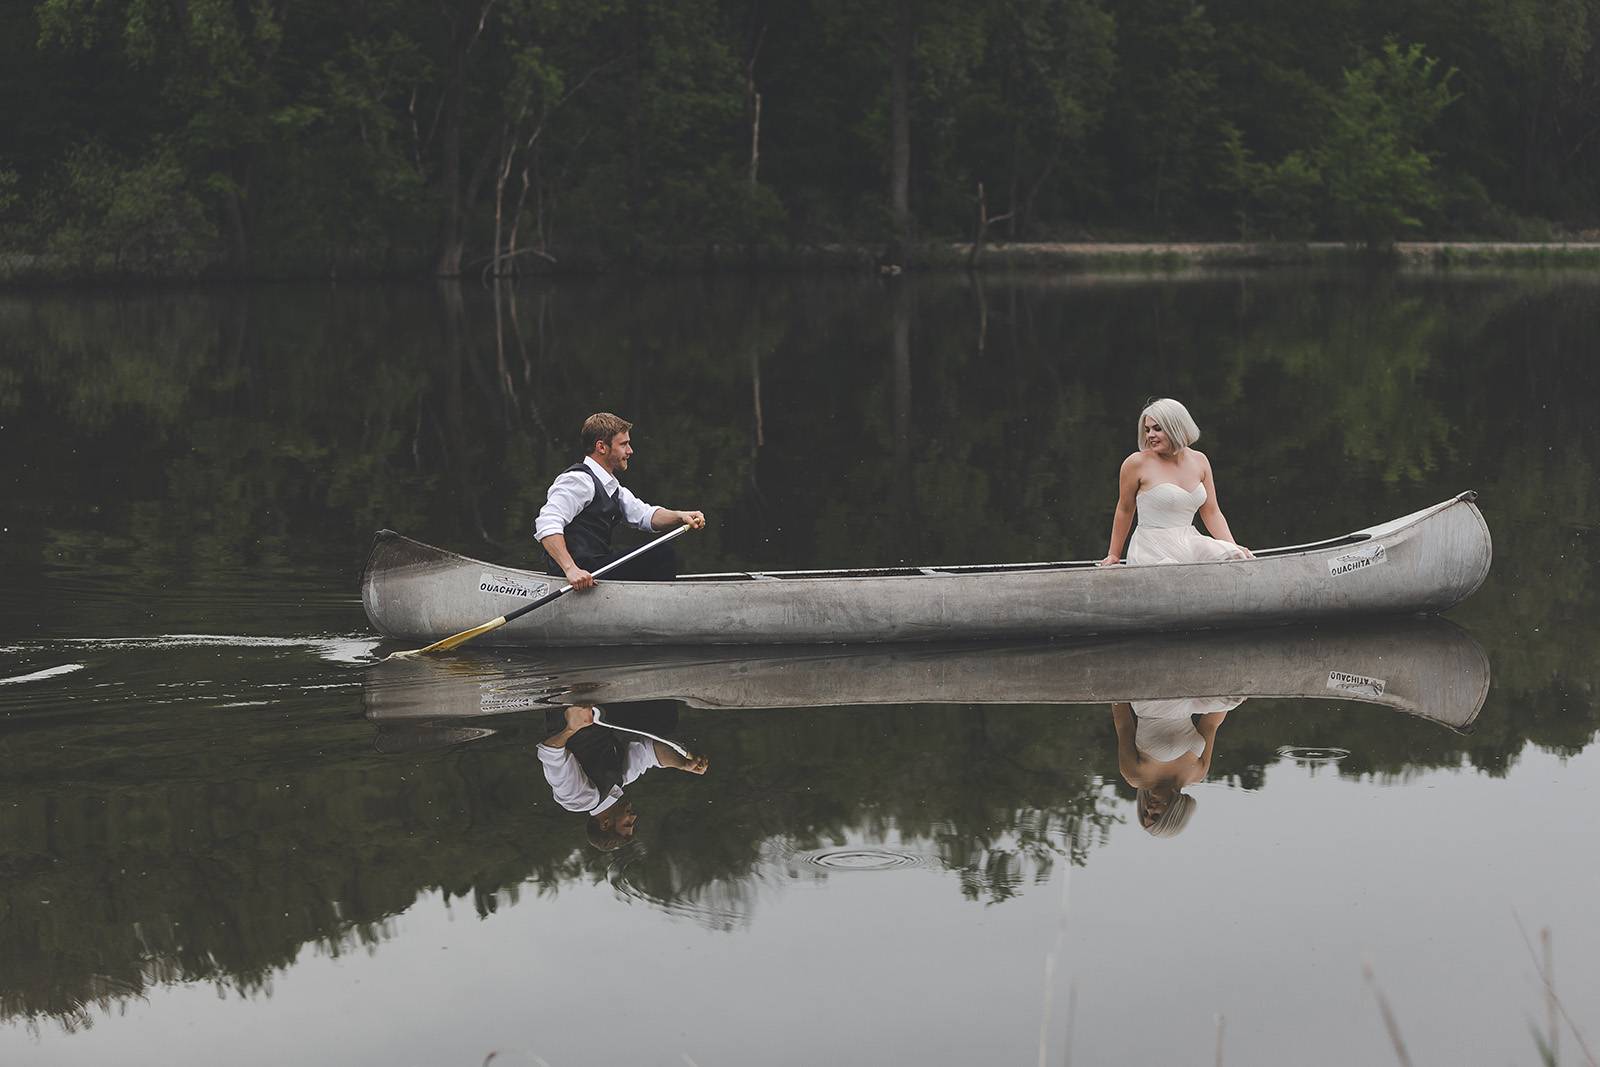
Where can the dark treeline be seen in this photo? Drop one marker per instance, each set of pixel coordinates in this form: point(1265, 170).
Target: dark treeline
point(462, 136)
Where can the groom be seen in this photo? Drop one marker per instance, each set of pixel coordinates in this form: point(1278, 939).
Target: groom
point(586, 502)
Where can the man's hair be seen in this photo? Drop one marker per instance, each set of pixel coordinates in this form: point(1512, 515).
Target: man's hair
point(602, 836)
point(601, 426)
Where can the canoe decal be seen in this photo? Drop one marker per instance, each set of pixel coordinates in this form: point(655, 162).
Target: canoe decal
point(493, 699)
point(1358, 684)
point(1362, 558)
point(504, 585)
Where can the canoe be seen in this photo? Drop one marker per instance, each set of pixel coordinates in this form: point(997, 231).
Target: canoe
point(1424, 562)
point(1424, 667)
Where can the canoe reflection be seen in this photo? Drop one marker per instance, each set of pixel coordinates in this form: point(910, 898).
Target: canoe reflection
point(1425, 667)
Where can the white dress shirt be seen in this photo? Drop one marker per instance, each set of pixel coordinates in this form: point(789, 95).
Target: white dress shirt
point(571, 492)
point(572, 788)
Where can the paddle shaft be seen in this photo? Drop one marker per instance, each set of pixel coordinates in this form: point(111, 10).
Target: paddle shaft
point(564, 590)
point(456, 640)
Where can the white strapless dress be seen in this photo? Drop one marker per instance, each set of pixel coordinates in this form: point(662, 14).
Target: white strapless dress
point(1166, 532)
point(1164, 729)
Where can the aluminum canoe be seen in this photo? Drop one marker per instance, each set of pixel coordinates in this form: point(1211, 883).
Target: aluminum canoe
point(1424, 562)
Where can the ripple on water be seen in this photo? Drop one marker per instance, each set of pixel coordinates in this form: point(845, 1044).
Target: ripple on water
point(638, 876)
point(857, 858)
point(1311, 755)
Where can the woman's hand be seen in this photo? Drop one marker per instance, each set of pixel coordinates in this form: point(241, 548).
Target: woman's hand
point(1108, 561)
point(1247, 553)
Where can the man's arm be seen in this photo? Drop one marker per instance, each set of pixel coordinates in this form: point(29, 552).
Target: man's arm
point(578, 716)
point(668, 756)
point(577, 577)
point(663, 519)
point(569, 494)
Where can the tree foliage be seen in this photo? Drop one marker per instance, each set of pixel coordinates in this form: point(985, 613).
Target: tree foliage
point(504, 135)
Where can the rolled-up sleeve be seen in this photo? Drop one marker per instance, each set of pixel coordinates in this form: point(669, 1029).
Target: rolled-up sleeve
point(569, 494)
point(568, 784)
point(635, 512)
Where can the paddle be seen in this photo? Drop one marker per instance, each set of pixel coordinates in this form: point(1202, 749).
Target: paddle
point(456, 640)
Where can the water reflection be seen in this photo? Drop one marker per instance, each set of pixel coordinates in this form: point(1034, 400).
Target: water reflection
point(1426, 667)
point(1164, 745)
point(967, 768)
point(592, 753)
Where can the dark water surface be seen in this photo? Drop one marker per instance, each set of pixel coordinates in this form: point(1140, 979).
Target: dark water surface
point(228, 835)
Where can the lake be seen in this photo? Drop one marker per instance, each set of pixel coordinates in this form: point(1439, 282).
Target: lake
point(232, 834)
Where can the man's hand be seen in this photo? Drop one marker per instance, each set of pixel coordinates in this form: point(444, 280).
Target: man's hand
point(579, 578)
point(579, 716)
point(695, 764)
point(695, 520)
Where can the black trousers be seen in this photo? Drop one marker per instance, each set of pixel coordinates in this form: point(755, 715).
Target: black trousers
point(656, 565)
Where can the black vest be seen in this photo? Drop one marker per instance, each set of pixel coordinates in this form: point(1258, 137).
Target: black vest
point(589, 533)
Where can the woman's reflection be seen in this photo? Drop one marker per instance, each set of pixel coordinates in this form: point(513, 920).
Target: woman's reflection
point(1164, 745)
point(595, 752)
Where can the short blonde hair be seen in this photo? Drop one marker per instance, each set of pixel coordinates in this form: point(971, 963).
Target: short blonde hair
point(1173, 418)
point(1170, 822)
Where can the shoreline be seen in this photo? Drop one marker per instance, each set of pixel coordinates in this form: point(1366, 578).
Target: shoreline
point(28, 270)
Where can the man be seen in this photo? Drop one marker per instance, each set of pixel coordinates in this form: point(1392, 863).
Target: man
point(586, 502)
point(587, 765)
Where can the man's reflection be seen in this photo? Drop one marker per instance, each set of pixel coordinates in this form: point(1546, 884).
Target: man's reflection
point(595, 752)
point(1164, 745)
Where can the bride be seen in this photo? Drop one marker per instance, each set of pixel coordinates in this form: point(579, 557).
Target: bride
point(1168, 482)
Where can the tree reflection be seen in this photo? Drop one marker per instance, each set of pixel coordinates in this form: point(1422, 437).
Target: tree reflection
point(222, 458)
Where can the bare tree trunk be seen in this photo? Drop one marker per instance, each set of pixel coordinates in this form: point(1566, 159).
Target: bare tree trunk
point(900, 125)
point(752, 99)
point(903, 492)
point(466, 26)
point(448, 264)
point(635, 92)
point(502, 173)
point(755, 137)
point(984, 222)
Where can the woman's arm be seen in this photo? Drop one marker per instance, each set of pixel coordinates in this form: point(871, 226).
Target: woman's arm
point(1122, 518)
point(1206, 726)
point(1127, 754)
point(1211, 511)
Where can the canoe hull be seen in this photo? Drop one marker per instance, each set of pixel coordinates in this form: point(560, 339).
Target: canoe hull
point(1421, 563)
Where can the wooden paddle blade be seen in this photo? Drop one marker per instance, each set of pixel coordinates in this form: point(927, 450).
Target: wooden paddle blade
point(454, 640)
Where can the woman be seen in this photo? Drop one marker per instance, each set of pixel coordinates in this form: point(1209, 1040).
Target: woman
point(1162, 746)
point(1167, 482)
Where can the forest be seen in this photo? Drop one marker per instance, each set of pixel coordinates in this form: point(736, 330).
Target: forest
point(262, 138)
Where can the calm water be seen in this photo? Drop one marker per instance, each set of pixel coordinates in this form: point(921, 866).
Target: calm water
point(227, 834)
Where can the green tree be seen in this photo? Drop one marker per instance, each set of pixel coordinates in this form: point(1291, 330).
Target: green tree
point(1378, 177)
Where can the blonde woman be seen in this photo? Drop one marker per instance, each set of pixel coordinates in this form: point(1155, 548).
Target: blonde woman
point(1167, 482)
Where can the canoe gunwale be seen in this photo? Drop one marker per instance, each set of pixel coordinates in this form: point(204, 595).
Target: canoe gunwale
point(963, 569)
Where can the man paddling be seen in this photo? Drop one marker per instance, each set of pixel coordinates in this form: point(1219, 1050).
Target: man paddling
point(586, 502)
